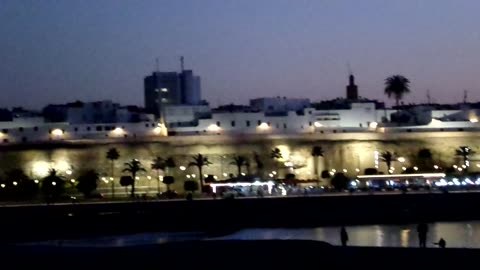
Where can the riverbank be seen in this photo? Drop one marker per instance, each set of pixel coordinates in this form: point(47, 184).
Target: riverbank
point(218, 217)
point(239, 255)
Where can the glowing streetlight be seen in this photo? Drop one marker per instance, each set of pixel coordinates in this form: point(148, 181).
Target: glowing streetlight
point(188, 176)
point(317, 124)
point(401, 159)
point(2, 185)
point(15, 183)
point(36, 181)
point(243, 174)
point(263, 126)
point(435, 167)
point(54, 183)
point(68, 172)
point(373, 125)
point(357, 170)
point(415, 168)
point(72, 180)
point(345, 170)
point(214, 128)
point(57, 132)
point(182, 168)
point(118, 131)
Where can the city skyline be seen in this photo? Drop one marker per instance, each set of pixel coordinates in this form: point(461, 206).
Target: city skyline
point(58, 52)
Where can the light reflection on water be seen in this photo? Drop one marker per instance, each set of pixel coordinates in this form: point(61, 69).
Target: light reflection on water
point(457, 234)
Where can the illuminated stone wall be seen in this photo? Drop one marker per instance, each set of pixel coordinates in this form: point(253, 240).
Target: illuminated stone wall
point(341, 151)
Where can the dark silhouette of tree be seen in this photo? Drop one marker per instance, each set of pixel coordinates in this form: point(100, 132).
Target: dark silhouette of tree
point(169, 164)
point(87, 182)
point(209, 179)
point(276, 155)
point(397, 86)
point(113, 155)
point(168, 180)
point(258, 163)
point(325, 174)
point(425, 157)
point(388, 157)
point(239, 161)
point(190, 186)
point(133, 167)
point(126, 181)
point(19, 185)
point(53, 185)
point(370, 171)
point(158, 165)
point(464, 152)
point(199, 161)
point(317, 151)
point(340, 181)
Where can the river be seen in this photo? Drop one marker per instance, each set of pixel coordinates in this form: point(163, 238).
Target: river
point(457, 234)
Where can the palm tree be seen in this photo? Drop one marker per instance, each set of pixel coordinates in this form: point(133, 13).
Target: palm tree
point(397, 86)
point(258, 162)
point(464, 152)
point(158, 164)
point(112, 155)
point(199, 161)
point(239, 161)
point(388, 157)
point(169, 163)
point(23, 186)
point(317, 151)
point(133, 167)
point(276, 155)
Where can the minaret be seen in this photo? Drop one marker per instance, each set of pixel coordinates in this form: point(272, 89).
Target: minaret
point(352, 88)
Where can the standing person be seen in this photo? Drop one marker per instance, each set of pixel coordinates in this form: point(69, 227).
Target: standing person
point(344, 236)
point(422, 230)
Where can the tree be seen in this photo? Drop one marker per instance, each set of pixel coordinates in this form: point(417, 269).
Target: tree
point(19, 185)
point(190, 186)
point(53, 185)
point(388, 157)
point(199, 161)
point(169, 164)
point(397, 86)
point(168, 180)
point(239, 161)
point(87, 182)
point(464, 152)
point(425, 157)
point(276, 155)
point(258, 162)
point(340, 181)
point(317, 151)
point(113, 155)
point(158, 164)
point(126, 181)
point(133, 167)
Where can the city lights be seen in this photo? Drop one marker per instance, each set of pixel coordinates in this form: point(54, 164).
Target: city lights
point(401, 159)
point(72, 180)
point(373, 125)
point(182, 168)
point(317, 124)
point(213, 128)
point(118, 131)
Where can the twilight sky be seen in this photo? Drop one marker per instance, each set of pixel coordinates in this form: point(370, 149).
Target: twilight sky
point(59, 51)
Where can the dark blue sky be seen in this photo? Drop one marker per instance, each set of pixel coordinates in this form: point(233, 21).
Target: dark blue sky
point(58, 51)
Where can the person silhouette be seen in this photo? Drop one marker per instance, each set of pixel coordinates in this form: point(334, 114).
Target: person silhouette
point(422, 230)
point(442, 243)
point(344, 236)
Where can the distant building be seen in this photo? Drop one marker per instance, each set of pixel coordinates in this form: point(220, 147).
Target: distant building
point(95, 112)
point(275, 105)
point(352, 88)
point(171, 88)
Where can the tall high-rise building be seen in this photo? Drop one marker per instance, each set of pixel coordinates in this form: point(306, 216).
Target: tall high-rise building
point(352, 88)
point(171, 88)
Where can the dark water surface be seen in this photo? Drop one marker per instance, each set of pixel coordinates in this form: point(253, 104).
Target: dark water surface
point(457, 234)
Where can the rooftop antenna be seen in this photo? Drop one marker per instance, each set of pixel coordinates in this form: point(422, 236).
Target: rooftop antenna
point(181, 63)
point(157, 64)
point(429, 98)
point(465, 96)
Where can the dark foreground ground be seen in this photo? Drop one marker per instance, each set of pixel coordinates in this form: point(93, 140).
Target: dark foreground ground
point(218, 217)
point(238, 255)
